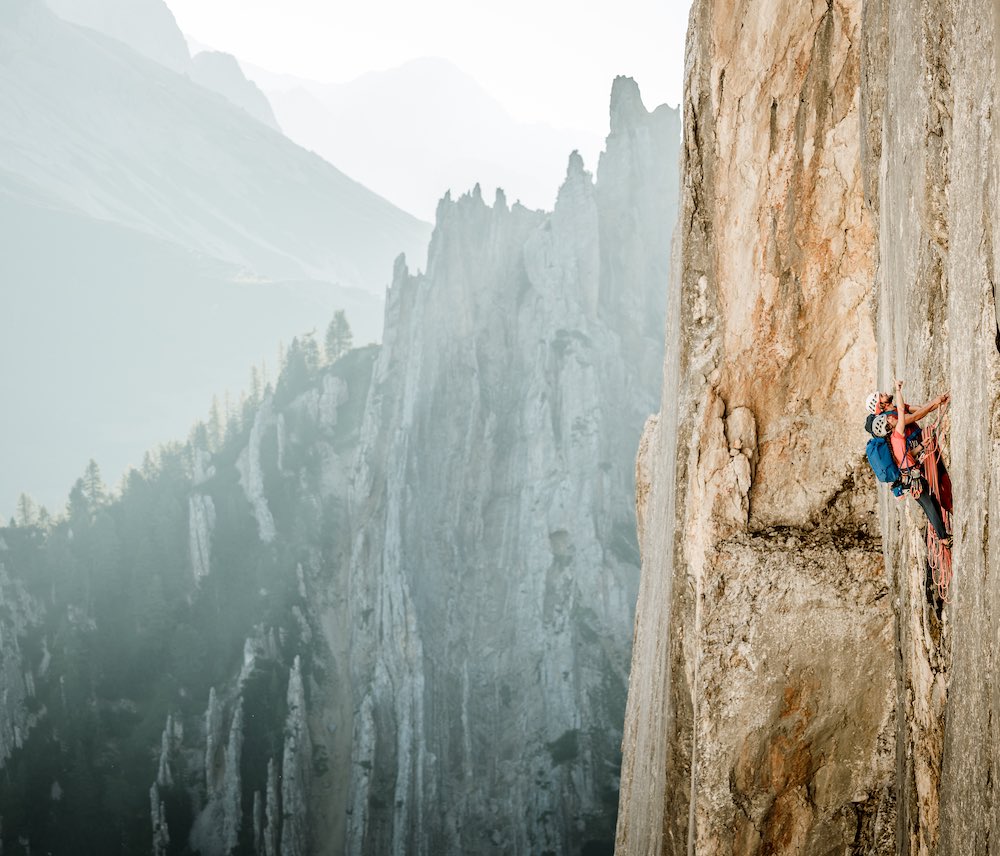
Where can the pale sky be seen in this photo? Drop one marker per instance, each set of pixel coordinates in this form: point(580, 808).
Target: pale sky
point(545, 60)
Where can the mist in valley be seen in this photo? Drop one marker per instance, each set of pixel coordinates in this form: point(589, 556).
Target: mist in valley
point(322, 401)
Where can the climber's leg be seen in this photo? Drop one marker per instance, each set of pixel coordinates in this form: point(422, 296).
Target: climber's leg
point(944, 486)
point(929, 504)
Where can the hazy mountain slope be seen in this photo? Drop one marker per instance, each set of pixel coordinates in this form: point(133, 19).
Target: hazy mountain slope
point(121, 340)
point(107, 132)
point(222, 73)
point(144, 205)
point(457, 134)
point(147, 26)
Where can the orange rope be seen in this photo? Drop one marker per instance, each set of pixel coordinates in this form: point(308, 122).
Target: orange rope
point(938, 554)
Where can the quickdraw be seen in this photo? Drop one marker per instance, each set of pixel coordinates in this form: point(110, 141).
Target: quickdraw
point(938, 552)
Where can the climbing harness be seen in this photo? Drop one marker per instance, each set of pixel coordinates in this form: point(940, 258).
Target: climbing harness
point(938, 552)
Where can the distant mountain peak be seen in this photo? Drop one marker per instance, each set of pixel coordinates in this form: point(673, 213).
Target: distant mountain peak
point(627, 109)
point(457, 133)
point(574, 167)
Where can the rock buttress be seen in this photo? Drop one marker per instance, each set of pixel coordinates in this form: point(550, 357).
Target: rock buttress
point(761, 705)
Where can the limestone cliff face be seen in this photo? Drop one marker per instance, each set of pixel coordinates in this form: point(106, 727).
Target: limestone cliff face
point(761, 706)
point(931, 165)
point(494, 567)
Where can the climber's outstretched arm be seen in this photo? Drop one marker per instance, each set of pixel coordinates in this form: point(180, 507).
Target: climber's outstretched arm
point(902, 417)
point(929, 407)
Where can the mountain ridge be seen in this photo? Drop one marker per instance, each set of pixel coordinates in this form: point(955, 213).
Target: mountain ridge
point(325, 228)
point(458, 133)
point(165, 177)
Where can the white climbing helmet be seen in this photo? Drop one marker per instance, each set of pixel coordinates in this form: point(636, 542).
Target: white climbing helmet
point(872, 402)
point(880, 426)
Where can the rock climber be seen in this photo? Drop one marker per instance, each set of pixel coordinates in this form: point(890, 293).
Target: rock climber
point(907, 449)
point(878, 402)
point(882, 402)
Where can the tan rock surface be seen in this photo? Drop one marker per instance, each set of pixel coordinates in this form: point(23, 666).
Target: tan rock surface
point(761, 702)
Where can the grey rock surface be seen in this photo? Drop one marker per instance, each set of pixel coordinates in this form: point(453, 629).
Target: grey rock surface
point(931, 181)
point(201, 515)
point(251, 472)
point(295, 765)
point(158, 820)
point(495, 564)
point(22, 613)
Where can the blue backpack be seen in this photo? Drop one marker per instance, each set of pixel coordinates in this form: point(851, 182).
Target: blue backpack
point(883, 463)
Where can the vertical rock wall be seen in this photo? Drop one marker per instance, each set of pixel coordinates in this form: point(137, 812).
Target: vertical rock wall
point(761, 705)
point(495, 567)
point(931, 166)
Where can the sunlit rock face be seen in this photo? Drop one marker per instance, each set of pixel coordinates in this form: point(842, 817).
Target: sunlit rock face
point(761, 704)
point(930, 167)
point(495, 569)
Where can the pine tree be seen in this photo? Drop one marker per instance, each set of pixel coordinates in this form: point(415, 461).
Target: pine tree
point(339, 337)
point(294, 373)
point(232, 417)
point(94, 491)
point(215, 425)
point(150, 465)
point(247, 409)
point(310, 353)
point(27, 513)
point(77, 507)
point(256, 386)
point(199, 438)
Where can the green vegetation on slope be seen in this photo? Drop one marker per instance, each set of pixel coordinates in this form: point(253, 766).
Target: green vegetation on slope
point(129, 636)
